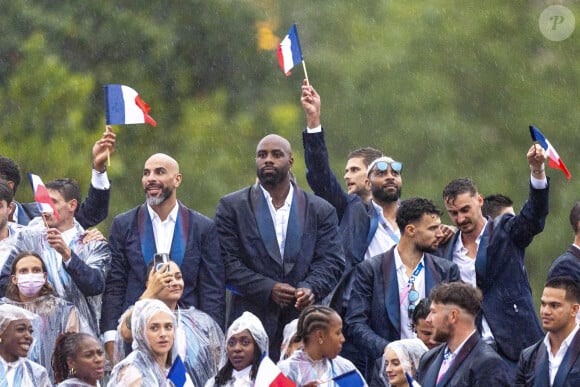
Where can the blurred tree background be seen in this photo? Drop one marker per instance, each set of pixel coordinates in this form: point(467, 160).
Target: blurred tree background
point(448, 88)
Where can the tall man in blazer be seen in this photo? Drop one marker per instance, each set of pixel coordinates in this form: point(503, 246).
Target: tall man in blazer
point(568, 264)
point(490, 255)
point(387, 287)
point(463, 359)
point(162, 225)
point(280, 244)
point(555, 360)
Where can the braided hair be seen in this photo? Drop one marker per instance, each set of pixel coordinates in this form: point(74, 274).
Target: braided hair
point(313, 318)
point(67, 345)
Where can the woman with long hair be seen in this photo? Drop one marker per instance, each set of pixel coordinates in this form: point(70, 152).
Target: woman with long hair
point(78, 360)
point(246, 344)
point(29, 289)
point(198, 337)
point(317, 363)
point(153, 329)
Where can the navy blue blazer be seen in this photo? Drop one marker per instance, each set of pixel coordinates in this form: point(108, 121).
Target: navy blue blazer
point(476, 365)
point(567, 265)
point(500, 274)
point(312, 255)
point(373, 317)
point(91, 212)
point(195, 248)
point(533, 368)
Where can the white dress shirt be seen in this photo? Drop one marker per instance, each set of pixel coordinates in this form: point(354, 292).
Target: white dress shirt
point(555, 361)
point(402, 281)
point(280, 217)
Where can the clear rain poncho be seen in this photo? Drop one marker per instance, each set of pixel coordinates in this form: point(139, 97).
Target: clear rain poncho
point(56, 316)
point(95, 258)
point(141, 364)
point(409, 352)
point(27, 373)
point(198, 341)
point(253, 324)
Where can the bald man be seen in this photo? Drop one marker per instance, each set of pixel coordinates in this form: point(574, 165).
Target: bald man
point(280, 244)
point(162, 225)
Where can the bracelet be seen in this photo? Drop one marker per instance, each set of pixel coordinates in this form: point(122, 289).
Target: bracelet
point(538, 171)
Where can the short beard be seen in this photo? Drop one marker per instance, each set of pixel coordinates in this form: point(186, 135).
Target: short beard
point(270, 180)
point(155, 201)
point(386, 197)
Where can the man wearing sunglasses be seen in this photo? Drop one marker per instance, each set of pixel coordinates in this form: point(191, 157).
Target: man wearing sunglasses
point(367, 227)
point(387, 287)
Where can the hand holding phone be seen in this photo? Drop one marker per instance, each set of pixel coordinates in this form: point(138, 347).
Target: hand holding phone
point(159, 260)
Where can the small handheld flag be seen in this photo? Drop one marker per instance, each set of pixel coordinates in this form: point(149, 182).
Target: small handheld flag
point(41, 196)
point(124, 106)
point(177, 373)
point(349, 379)
point(269, 375)
point(554, 160)
point(289, 52)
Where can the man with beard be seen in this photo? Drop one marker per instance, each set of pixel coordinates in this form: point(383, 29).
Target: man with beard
point(280, 244)
point(162, 225)
point(490, 255)
point(387, 287)
point(464, 359)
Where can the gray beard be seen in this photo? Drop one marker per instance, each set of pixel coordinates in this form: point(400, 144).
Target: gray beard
point(156, 201)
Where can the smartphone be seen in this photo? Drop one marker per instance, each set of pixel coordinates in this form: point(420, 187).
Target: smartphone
point(159, 260)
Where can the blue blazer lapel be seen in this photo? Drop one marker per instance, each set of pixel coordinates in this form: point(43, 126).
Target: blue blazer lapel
point(568, 361)
point(542, 374)
point(432, 276)
point(265, 223)
point(295, 229)
point(481, 259)
point(146, 236)
point(449, 252)
point(374, 220)
point(391, 289)
point(180, 235)
point(463, 353)
point(430, 378)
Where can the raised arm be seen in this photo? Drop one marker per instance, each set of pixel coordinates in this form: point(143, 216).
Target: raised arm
point(321, 179)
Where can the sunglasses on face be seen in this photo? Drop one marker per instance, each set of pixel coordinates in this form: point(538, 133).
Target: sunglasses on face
point(396, 166)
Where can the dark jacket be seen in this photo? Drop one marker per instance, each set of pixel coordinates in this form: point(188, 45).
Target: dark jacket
point(195, 248)
point(312, 255)
point(476, 365)
point(533, 368)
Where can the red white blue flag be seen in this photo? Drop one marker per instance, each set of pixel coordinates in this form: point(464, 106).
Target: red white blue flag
point(289, 52)
point(41, 196)
point(554, 160)
point(124, 106)
point(269, 375)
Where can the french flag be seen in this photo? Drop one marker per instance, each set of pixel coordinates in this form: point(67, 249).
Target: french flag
point(41, 196)
point(269, 375)
point(554, 160)
point(289, 52)
point(124, 106)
